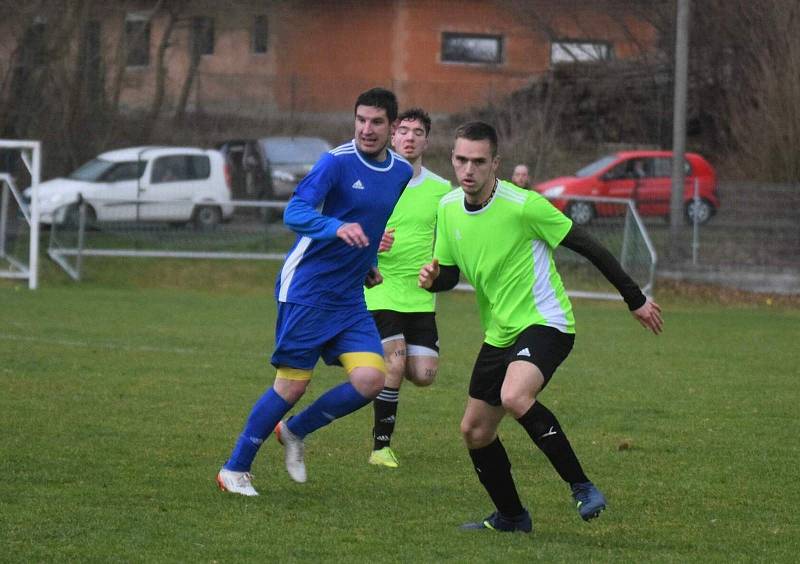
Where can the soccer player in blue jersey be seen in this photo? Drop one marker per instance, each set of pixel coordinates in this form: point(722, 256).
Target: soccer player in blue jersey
point(320, 295)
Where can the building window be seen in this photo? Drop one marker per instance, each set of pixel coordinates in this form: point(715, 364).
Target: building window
point(472, 48)
point(137, 40)
point(260, 34)
point(203, 35)
point(580, 52)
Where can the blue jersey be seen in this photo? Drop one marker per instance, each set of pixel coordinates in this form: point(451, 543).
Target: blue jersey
point(321, 270)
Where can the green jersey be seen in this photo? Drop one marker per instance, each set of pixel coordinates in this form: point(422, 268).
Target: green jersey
point(414, 222)
point(505, 250)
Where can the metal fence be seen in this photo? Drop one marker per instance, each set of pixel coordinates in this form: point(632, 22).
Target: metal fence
point(751, 243)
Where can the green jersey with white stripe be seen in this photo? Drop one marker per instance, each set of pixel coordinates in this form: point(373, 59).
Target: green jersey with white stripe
point(505, 250)
point(414, 222)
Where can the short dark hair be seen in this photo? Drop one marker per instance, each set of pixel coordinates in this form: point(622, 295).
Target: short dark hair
point(478, 131)
point(419, 114)
point(379, 98)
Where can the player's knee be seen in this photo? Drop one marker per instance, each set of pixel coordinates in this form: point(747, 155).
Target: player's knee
point(422, 375)
point(290, 390)
point(421, 369)
point(395, 367)
point(367, 381)
point(515, 404)
point(476, 435)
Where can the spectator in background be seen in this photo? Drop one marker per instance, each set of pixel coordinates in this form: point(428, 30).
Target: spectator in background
point(520, 177)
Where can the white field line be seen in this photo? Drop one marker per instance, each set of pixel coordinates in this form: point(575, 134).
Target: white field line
point(113, 346)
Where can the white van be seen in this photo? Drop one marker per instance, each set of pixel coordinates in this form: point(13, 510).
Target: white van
point(171, 184)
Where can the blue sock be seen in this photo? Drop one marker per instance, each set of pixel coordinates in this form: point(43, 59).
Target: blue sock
point(268, 410)
point(333, 404)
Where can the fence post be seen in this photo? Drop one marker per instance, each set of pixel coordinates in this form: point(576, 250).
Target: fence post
point(81, 236)
point(3, 218)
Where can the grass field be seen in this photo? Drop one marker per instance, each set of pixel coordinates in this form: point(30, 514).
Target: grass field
point(121, 396)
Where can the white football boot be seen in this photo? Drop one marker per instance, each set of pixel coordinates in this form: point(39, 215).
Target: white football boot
point(236, 482)
point(294, 451)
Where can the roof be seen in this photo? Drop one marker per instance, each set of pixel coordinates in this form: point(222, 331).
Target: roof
point(136, 153)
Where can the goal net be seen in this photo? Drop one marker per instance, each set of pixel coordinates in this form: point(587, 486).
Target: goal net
point(20, 168)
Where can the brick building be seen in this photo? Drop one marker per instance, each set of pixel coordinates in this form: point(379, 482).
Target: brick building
point(271, 56)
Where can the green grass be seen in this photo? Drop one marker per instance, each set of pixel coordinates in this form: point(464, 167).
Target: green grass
point(121, 396)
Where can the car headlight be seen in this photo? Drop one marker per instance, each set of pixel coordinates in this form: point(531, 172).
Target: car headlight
point(54, 199)
point(553, 191)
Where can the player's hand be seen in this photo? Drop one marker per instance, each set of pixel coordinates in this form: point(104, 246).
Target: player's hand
point(353, 235)
point(373, 277)
point(428, 273)
point(386, 241)
point(649, 315)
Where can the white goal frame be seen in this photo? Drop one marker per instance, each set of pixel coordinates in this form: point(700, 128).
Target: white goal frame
point(31, 154)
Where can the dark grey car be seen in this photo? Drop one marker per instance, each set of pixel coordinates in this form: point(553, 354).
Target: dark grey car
point(270, 168)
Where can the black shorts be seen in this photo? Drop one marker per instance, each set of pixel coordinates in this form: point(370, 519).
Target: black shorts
point(543, 346)
point(418, 329)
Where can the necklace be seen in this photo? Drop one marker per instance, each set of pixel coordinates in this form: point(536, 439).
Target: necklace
point(485, 203)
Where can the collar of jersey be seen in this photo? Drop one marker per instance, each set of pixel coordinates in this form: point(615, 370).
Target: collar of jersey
point(417, 180)
point(488, 204)
point(369, 163)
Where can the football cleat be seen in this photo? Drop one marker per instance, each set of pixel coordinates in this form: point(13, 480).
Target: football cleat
point(294, 451)
point(236, 482)
point(502, 524)
point(590, 502)
point(384, 457)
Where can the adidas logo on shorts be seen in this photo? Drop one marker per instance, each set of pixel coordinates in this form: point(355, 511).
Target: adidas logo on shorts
point(524, 352)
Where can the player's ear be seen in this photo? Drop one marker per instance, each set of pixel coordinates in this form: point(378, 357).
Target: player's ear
point(495, 163)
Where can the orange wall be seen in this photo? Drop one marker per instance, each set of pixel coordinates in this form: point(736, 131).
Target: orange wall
point(322, 53)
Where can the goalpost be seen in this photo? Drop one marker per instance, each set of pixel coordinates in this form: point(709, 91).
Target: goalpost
point(19, 220)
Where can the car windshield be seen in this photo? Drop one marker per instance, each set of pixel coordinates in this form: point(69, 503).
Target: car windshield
point(595, 167)
point(294, 150)
point(92, 171)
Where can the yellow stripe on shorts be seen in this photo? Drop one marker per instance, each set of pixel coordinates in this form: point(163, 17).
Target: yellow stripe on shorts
point(293, 373)
point(354, 360)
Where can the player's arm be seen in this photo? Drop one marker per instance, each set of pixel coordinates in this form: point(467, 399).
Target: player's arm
point(436, 277)
point(302, 216)
point(646, 311)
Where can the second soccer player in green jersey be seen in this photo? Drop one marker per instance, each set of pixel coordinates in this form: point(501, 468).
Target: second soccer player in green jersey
point(502, 239)
point(403, 312)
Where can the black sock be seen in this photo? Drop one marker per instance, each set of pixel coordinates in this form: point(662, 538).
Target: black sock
point(494, 471)
point(385, 414)
point(543, 428)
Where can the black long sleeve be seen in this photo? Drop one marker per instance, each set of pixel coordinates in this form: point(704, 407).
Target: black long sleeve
point(581, 242)
point(447, 280)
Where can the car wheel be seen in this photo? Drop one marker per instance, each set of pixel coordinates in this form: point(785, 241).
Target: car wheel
point(207, 217)
point(700, 210)
point(581, 213)
point(72, 217)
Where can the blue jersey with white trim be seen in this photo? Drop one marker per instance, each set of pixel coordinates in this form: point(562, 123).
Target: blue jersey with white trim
point(322, 270)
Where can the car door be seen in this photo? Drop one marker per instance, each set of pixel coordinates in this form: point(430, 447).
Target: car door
point(617, 182)
point(653, 193)
point(174, 183)
point(115, 199)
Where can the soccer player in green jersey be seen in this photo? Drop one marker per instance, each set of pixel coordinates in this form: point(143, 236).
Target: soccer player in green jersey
point(502, 238)
point(404, 312)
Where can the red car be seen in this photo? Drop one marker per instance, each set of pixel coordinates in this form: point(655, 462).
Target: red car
point(642, 176)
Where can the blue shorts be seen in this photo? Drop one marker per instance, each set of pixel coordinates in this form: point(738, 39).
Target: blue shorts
point(303, 334)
